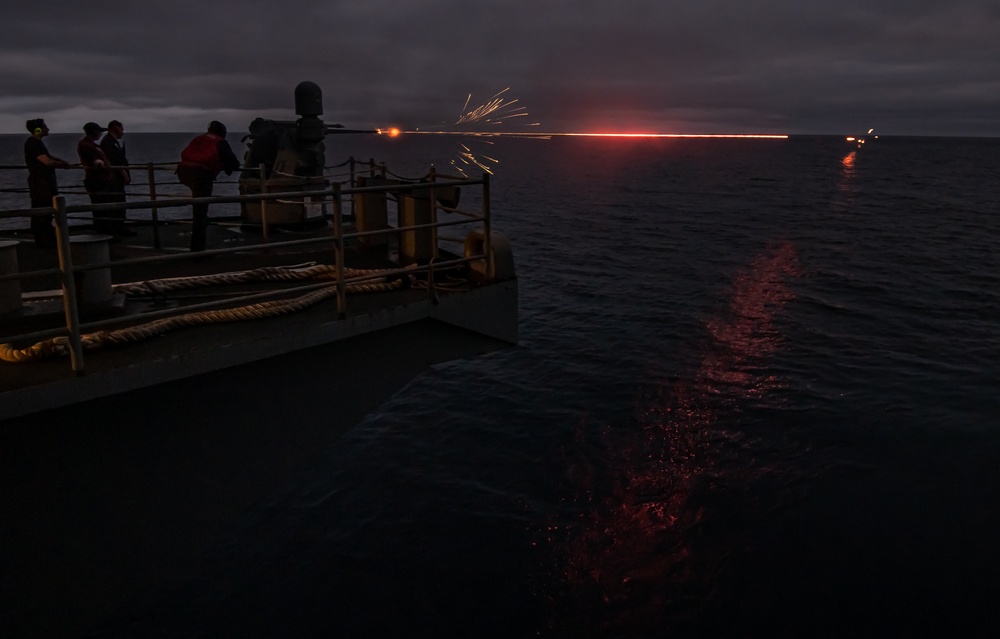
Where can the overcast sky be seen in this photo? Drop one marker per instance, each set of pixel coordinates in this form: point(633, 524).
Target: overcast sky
point(907, 67)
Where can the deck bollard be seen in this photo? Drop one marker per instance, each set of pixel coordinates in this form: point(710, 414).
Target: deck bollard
point(93, 287)
point(10, 290)
point(416, 246)
point(371, 213)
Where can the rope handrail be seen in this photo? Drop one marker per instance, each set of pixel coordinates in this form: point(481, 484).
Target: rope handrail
point(408, 179)
point(172, 164)
point(337, 166)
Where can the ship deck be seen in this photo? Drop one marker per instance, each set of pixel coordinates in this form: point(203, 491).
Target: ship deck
point(183, 352)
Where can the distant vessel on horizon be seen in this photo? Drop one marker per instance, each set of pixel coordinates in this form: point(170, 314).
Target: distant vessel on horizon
point(860, 140)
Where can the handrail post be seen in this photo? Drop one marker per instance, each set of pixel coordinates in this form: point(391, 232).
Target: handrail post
point(432, 200)
point(371, 167)
point(263, 205)
point(486, 228)
point(68, 285)
point(432, 282)
point(338, 237)
point(353, 184)
point(153, 211)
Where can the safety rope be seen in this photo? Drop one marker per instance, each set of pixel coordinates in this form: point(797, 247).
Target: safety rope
point(451, 284)
point(92, 341)
point(266, 273)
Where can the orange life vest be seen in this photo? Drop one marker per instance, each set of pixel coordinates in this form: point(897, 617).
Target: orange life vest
point(203, 151)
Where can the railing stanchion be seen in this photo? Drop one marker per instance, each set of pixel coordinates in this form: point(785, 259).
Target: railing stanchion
point(432, 201)
point(153, 211)
point(68, 285)
point(353, 184)
point(263, 205)
point(486, 227)
point(432, 282)
point(338, 235)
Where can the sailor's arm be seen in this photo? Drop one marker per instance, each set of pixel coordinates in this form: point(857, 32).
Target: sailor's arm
point(230, 162)
point(52, 161)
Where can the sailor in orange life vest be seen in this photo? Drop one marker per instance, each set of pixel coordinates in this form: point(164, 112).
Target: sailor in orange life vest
point(201, 161)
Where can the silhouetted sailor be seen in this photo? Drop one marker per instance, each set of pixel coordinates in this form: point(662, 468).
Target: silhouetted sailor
point(113, 222)
point(42, 185)
point(201, 161)
point(97, 175)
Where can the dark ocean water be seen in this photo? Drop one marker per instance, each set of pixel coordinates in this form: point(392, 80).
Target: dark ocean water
point(756, 394)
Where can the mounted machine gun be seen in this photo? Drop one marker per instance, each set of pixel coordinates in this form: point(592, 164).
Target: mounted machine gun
point(288, 156)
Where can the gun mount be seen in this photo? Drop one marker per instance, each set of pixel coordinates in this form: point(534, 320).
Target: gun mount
point(287, 156)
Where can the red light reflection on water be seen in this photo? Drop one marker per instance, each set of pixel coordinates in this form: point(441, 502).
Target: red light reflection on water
point(634, 546)
point(846, 184)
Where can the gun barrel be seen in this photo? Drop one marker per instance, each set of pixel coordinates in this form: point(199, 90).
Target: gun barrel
point(333, 129)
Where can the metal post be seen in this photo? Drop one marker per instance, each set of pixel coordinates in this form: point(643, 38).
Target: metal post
point(154, 213)
point(371, 167)
point(263, 205)
point(338, 238)
point(432, 282)
point(486, 228)
point(353, 184)
point(432, 201)
point(68, 285)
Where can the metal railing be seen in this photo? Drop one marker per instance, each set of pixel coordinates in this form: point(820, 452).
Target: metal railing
point(351, 169)
point(74, 329)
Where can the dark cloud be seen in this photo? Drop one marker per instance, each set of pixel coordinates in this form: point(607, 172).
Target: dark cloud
point(907, 67)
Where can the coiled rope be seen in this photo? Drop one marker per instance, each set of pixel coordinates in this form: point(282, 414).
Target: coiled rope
point(92, 341)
